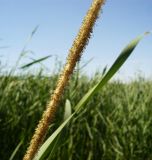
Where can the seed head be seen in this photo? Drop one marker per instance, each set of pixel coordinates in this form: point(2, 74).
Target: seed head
point(75, 53)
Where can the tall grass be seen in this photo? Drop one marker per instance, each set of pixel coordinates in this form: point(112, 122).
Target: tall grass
point(116, 123)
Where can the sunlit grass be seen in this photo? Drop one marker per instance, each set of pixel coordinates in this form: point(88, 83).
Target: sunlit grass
point(116, 122)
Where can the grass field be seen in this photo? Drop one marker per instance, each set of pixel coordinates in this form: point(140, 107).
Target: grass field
point(116, 124)
point(65, 116)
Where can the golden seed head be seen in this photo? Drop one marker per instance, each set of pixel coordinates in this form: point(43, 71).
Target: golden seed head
point(75, 53)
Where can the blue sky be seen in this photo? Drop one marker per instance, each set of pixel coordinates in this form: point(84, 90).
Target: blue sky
point(59, 22)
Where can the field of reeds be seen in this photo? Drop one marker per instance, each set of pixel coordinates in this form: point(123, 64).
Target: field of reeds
point(115, 124)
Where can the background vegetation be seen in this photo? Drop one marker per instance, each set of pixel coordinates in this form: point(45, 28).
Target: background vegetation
point(116, 124)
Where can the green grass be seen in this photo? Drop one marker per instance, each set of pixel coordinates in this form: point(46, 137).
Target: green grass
point(115, 124)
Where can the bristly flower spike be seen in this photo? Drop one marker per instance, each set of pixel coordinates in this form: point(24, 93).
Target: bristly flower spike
point(75, 53)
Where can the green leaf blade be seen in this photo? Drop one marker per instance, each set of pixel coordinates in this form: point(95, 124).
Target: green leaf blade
point(53, 142)
point(35, 61)
point(126, 52)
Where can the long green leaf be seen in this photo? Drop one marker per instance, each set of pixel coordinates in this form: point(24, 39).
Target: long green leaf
point(35, 61)
point(16, 150)
point(48, 150)
point(114, 68)
point(48, 142)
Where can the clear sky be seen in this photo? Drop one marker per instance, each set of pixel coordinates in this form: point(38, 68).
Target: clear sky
point(59, 22)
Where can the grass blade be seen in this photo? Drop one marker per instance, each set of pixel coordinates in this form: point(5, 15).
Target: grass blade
point(23, 51)
point(28, 41)
point(114, 68)
point(15, 150)
point(68, 110)
point(53, 142)
point(35, 61)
